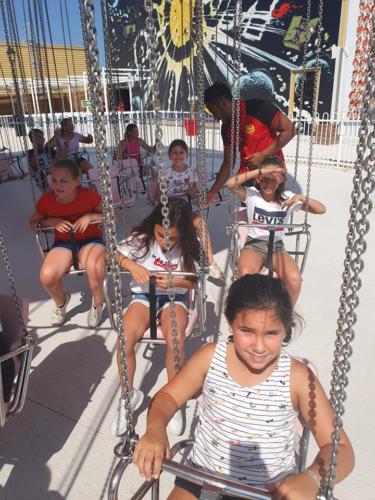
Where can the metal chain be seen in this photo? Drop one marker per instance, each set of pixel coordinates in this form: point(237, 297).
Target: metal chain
point(152, 45)
point(358, 227)
point(96, 96)
point(201, 143)
point(113, 114)
point(314, 109)
point(301, 96)
point(235, 116)
point(12, 284)
point(22, 105)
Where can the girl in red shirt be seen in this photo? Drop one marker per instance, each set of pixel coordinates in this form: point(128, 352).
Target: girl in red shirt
point(71, 210)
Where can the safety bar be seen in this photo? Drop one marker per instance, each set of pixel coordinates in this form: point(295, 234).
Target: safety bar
point(268, 226)
point(209, 481)
point(200, 296)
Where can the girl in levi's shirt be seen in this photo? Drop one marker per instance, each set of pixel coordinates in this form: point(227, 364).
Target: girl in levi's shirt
point(269, 203)
point(143, 253)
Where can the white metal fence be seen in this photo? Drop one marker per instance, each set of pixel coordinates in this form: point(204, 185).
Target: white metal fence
point(335, 140)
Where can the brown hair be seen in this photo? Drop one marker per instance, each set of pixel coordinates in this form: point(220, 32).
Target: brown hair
point(70, 165)
point(178, 142)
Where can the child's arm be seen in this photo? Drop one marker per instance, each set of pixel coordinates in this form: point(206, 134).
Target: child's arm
point(310, 399)
point(88, 139)
point(81, 224)
point(58, 223)
point(309, 204)
point(139, 273)
point(153, 446)
point(146, 147)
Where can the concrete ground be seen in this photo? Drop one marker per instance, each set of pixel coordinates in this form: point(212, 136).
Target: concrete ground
point(60, 447)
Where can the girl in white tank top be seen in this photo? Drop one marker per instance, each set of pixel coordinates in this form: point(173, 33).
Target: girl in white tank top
point(253, 392)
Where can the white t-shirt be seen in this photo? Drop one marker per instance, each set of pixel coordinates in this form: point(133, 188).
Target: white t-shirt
point(179, 182)
point(260, 211)
point(70, 149)
point(154, 260)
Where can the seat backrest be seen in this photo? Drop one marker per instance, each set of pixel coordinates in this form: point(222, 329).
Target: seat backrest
point(6, 171)
point(12, 330)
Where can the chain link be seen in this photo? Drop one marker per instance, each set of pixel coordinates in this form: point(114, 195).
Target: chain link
point(201, 140)
point(235, 119)
point(22, 100)
point(96, 96)
point(152, 47)
point(113, 114)
point(358, 227)
point(25, 335)
point(314, 108)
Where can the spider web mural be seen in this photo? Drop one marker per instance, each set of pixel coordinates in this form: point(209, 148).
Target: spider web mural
point(273, 34)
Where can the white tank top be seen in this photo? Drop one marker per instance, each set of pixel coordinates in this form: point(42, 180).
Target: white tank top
point(246, 433)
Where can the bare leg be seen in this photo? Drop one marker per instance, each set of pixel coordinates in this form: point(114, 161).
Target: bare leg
point(136, 322)
point(288, 271)
point(250, 262)
point(55, 265)
point(166, 327)
point(201, 229)
point(92, 259)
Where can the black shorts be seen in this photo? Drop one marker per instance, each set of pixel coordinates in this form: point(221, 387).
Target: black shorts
point(195, 489)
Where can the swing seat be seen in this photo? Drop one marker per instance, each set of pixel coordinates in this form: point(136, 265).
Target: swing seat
point(94, 178)
point(18, 353)
point(239, 235)
point(196, 313)
point(192, 319)
point(9, 171)
point(130, 169)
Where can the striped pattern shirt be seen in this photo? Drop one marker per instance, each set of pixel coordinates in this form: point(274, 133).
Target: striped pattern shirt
point(246, 433)
point(70, 148)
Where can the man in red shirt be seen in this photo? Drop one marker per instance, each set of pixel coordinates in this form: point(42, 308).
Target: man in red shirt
point(264, 131)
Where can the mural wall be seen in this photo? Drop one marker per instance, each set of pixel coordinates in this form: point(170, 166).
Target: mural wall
point(273, 34)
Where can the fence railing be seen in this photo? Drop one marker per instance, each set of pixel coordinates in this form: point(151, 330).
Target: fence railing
point(335, 139)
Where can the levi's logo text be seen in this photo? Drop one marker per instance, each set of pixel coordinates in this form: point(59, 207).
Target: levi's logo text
point(164, 264)
point(262, 216)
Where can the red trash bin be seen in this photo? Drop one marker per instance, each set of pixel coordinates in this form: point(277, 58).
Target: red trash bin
point(191, 126)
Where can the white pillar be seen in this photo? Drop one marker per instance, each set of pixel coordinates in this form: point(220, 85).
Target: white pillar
point(131, 96)
point(84, 77)
point(104, 83)
point(70, 95)
point(48, 96)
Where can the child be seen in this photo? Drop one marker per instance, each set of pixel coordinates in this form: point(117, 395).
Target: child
point(143, 253)
point(40, 157)
point(70, 207)
point(182, 180)
point(270, 203)
point(130, 147)
point(67, 143)
point(253, 392)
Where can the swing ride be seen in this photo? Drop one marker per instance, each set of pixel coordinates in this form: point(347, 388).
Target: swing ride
point(121, 184)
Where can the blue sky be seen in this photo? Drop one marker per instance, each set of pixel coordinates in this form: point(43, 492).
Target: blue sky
point(56, 22)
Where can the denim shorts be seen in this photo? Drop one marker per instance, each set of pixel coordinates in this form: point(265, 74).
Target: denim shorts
point(78, 243)
point(162, 301)
point(195, 489)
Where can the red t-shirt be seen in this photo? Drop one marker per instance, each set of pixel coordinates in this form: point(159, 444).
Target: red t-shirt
point(86, 202)
point(257, 118)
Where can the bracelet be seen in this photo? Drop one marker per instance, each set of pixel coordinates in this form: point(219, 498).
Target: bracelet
point(313, 476)
point(260, 171)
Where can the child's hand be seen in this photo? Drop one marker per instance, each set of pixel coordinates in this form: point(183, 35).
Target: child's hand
point(63, 226)
point(294, 199)
point(193, 190)
point(139, 273)
point(296, 487)
point(150, 452)
point(82, 223)
point(162, 281)
point(255, 159)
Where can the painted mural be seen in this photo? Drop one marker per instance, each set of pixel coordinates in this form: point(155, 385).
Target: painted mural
point(272, 38)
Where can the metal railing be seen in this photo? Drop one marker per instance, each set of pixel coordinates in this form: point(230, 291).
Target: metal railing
point(336, 137)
